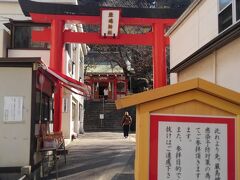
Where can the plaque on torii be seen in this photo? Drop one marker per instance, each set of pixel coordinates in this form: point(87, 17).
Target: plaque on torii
point(110, 22)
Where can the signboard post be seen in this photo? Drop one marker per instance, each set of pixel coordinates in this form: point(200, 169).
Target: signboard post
point(196, 148)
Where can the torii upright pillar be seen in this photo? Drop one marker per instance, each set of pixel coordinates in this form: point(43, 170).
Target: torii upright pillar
point(56, 63)
point(159, 56)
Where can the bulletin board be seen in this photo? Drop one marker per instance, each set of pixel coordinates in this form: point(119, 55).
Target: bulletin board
point(190, 147)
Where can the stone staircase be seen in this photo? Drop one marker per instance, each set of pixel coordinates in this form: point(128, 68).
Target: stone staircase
point(112, 116)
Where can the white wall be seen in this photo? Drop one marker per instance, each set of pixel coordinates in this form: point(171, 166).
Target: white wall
point(11, 9)
point(72, 126)
point(4, 42)
point(15, 137)
point(204, 69)
point(195, 31)
point(43, 54)
point(66, 116)
point(220, 67)
point(227, 67)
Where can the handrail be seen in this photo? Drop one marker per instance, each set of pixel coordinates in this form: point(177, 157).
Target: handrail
point(23, 177)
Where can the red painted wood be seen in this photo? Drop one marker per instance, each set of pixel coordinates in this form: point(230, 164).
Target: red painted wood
point(231, 150)
point(41, 36)
point(153, 155)
point(47, 18)
point(166, 41)
point(159, 57)
point(95, 38)
point(56, 63)
point(155, 119)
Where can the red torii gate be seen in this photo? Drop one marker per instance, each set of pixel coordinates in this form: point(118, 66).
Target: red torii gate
point(57, 36)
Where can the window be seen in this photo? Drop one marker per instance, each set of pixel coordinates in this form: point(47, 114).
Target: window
point(229, 13)
point(238, 9)
point(225, 18)
point(22, 35)
point(223, 4)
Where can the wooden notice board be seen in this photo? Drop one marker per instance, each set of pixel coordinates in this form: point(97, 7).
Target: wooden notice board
point(190, 147)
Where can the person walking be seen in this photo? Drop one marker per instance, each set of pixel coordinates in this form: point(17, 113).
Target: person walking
point(126, 122)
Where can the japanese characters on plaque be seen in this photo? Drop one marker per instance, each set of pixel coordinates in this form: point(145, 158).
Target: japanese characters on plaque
point(13, 109)
point(196, 151)
point(110, 23)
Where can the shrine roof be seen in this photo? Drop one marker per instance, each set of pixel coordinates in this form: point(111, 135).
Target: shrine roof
point(104, 69)
point(101, 63)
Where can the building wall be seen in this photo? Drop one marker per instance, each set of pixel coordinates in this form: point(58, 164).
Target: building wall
point(6, 5)
point(4, 42)
point(227, 67)
point(83, 50)
point(11, 9)
point(195, 31)
point(204, 69)
point(44, 54)
point(221, 67)
point(70, 125)
point(15, 137)
point(74, 125)
point(66, 116)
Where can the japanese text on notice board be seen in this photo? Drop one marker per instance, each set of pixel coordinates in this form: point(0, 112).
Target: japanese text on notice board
point(13, 109)
point(196, 151)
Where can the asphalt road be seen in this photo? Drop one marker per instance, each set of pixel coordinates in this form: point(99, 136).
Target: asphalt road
point(98, 156)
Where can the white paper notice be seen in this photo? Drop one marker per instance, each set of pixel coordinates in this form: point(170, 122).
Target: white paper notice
point(13, 109)
point(192, 151)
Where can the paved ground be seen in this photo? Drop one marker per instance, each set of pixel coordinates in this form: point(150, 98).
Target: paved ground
point(99, 156)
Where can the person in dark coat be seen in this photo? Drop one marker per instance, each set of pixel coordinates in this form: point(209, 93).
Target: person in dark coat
point(126, 122)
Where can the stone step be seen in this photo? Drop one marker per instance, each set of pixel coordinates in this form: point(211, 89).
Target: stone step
point(112, 116)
